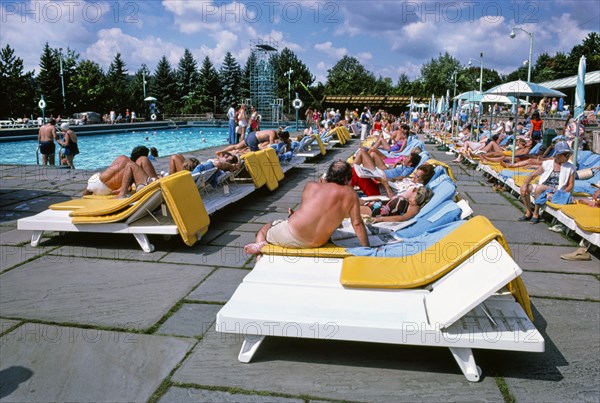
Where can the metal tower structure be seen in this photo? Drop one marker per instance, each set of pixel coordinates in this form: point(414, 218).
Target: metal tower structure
point(263, 85)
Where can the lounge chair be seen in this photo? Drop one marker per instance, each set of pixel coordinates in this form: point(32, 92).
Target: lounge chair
point(462, 302)
point(184, 214)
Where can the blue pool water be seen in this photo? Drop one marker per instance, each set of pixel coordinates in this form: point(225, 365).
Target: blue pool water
point(98, 151)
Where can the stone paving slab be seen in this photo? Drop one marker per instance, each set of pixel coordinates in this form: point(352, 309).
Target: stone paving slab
point(208, 255)
point(558, 285)
point(13, 236)
point(12, 216)
point(127, 295)
point(229, 226)
point(56, 363)
point(334, 370)
point(496, 212)
point(269, 217)
point(20, 196)
point(234, 239)
point(37, 205)
point(219, 286)
point(568, 370)
point(545, 258)
point(527, 233)
point(13, 255)
point(6, 324)
point(185, 395)
point(191, 320)
point(487, 198)
point(99, 246)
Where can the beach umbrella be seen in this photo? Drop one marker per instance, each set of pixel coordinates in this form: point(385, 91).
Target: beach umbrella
point(579, 104)
point(447, 104)
point(440, 105)
point(523, 88)
point(469, 95)
point(149, 99)
point(561, 105)
point(433, 105)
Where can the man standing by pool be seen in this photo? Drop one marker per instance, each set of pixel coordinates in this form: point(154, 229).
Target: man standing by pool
point(231, 116)
point(46, 137)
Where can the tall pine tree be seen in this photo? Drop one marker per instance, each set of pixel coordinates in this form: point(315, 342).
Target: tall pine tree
point(229, 76)
point(245, 77)
point(163, 86)
point(87, 85)
point(187, 83)
point(17, 85)
point(117, 81)
point(208, 87)
point(48, 81)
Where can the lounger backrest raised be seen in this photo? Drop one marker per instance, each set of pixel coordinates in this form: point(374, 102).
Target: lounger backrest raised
point(267, 169)
point(253, 166)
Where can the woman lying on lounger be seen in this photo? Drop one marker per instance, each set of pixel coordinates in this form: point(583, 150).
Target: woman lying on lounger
point(254, 141)
point(402, 207)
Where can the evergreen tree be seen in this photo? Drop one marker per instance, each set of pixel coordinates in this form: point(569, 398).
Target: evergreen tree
point(69, 65)
point(163, 86)
point(87, 86)
point(208, 87)
point(117, 84)
point(403, 86)
point(48, 81)
point(229, 77)
point(187, 83)
point(245, 77)
point(590, 48)
point(18, 87)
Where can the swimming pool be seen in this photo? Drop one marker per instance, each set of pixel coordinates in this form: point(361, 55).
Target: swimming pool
point(98, 151)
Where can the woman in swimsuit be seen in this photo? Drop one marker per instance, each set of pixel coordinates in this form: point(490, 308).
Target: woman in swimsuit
point(402, 207)
point(70, 144)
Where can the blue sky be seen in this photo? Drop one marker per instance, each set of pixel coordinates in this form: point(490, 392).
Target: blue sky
point(388, 37)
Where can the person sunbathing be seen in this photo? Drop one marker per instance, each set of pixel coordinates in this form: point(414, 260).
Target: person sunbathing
point(323, 207)
point(523, 149)
point(396, 143)
point(483, 146)
point(120, 176)
point(224, 161)
point(254, 141)
point(400, 170)
point(401, 207)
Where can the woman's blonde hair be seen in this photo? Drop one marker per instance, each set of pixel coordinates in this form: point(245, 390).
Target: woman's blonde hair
point(424, 194)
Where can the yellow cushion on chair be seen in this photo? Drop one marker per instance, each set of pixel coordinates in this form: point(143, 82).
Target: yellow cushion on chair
point(253, 167)
point(321, 145)
point(267, 169)
point(429, 265)
point(185, 205)
point(329, 250)
point(274, 160)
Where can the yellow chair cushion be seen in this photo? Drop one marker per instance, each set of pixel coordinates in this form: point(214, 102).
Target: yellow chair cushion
point(321, 145)
point(586, 217)
point(429, 265)
point(186, 206)
point(274, 161)
point(520, 179)
point(435, 163)
point(267, 169)
point(327, 250)
point(77, 204)
point(254, 169)
point(116, 215)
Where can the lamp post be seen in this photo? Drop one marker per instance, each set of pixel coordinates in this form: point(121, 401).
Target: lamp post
point(62, 81)
point(512, 35)
point(480, 89)
point(288, 74)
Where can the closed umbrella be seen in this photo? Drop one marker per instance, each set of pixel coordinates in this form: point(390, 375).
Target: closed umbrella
point(579, 103)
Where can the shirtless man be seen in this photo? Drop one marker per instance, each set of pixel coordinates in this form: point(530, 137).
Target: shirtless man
point(306, 227)
point(224, 161)
point(254, 140)
point(46, 137)
point(122, 174)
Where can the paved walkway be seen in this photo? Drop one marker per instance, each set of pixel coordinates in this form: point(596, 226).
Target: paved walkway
point(90, 317)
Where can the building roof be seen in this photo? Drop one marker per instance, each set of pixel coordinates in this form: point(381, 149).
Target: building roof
point(380, 101)
point(592, 77)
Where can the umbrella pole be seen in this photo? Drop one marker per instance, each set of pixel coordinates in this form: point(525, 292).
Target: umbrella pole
point(515, 133)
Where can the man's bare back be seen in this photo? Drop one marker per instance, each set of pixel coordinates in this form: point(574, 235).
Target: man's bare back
point(47, 133)
point(322, 209)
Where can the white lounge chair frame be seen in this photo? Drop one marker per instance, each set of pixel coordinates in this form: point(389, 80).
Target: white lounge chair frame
point(304, 298)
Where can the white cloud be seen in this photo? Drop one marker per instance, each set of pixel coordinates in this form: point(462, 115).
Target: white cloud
point(364, 56)
point(327, 47)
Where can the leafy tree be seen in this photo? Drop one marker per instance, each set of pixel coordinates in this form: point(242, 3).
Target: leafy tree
point(17, 85)
point(187, 83)
point(87, 86)
point(208, 86)
point(282, 63)
point(163, 86)
point(403, 87)
point(229, 77)
point(117, 86)
point(383, 86)
point(590, 48)
point(437, 74)
point(349, 77)
point(47, 80)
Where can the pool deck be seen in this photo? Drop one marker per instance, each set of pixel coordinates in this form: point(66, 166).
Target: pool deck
point(87, 317)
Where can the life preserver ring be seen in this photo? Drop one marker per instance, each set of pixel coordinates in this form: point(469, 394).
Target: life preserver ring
point(297, 103)
point(153, 116)
point(42, 104)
